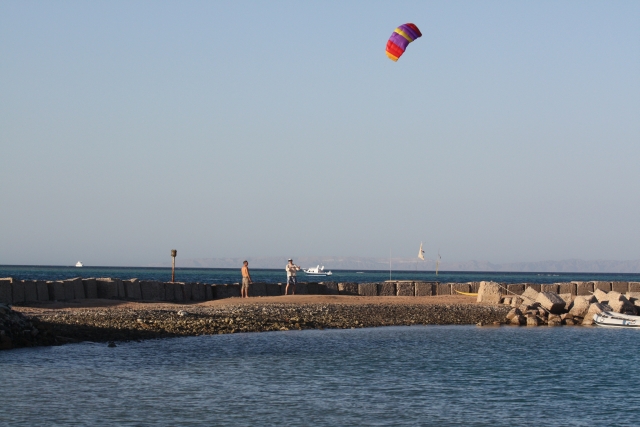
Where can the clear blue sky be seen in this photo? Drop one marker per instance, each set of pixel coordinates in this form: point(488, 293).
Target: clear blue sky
point(509, 132)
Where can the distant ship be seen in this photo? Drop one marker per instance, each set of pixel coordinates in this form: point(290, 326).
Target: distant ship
point(79, 264)
point(317, 271)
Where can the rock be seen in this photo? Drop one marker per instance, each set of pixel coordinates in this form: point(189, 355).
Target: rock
point(506, 300)
point(387, 289)
point(567, 298)
point(568, 322)
point(348, 288)
point(513, 313)
point(581, 305)
point(405, 289)
point(182, 313)
point(554, 320)
point(600, 295)
point(516, 301)
point(368, 289)
point(518, 320)
point(594, 309)
point(530, 295)
point(620, 304)
point(489, 292)
point(425, 289)
point(551, 302)
point(532, 321)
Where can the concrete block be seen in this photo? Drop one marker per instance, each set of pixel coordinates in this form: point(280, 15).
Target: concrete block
point(197, 291)
point(257, 290)
point(56, 291)
point(90, 288)
point(619, 303)
point(489, 292)
point(132, 289)
point(517, 289)
point(584, 288)
point(443, 289)
point(530, 295)
point(208, 292)
point(427, 289)
point(107, 288)
point(30, 291)
point(604, 286)
point(634, 286)
point(386, 289)
point(6, 293)
point(535, 286)
point(406, 289)
point(330, 288)
point(169, 289)
point(348, 288)
point(73, 288)
point(272, 289)
point(178, 291)
point(551, 302)
point(601, 296)
point(43, 290)
point(368, 289)
point(632, 296)
point(302, 288)
point(567, 298)
point(149, 289)
point(17, 290)
point(313, 288)
point(69, 290)
point(78, 289)
point(186, 291)
point(622, 287)
point(550, 287)
point(594, 309)
point(120, 293)
point(227, 291)
point(474, 287)
point(567, 288)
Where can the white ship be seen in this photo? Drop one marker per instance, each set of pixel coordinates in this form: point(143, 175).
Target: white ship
point(79, 264)
point(317, 271)
point(616, 320)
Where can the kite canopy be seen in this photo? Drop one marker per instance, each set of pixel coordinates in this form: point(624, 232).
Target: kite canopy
point(400, 39)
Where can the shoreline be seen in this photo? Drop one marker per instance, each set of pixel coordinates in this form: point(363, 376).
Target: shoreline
point(113, 321)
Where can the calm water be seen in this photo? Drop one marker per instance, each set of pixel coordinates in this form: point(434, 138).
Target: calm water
point(424, 375)
point(225, 275)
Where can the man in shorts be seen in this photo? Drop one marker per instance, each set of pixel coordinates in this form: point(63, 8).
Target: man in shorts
point(246, 279)
point(291, 277)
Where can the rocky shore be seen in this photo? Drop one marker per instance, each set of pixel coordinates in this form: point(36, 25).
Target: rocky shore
point(61, 326)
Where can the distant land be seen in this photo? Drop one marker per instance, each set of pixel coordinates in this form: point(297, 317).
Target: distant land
point(363, 263)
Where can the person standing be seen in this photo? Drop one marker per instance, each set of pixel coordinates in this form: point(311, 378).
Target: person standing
point(291, 277)
point(246, 280)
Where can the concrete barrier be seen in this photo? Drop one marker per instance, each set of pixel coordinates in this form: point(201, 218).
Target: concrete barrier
point(387, 289)
point(197, 291)
point(42, 290)
point(517, 289)
point(227, 291)
point(567, 288)
point(208, 293)
point(622, 287)
point(550, 287)
point(272, 289)
point(150, 290)
point(443, 289)
point(69, 290)
point(460, 287)
point(257, 290)
point(17, 291)
point(301, 289)
point(56, 290)
point(603, 286)
point(6, 294)
point(634, 286)
point(406, 289)
point(368, 289)
point(535, 286)
point(132, 289)
point(313, 288)
point(425, 289)
point(30, 291)
point(329, 288)
point(489, 292)
point(584, 288)
point(107, 288)
point(169, 289)
point(475, 286)
point(348, 288)
point(90, 288)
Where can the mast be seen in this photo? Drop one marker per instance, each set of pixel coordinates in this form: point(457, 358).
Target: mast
point(437, 262)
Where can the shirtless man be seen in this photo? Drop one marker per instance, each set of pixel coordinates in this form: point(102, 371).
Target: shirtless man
point(246, 279)
point(291, 277)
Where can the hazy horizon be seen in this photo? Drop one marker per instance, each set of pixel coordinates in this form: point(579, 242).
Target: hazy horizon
point(507, 132)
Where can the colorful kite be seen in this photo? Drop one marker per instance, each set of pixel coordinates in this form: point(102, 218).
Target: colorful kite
point(400, 39)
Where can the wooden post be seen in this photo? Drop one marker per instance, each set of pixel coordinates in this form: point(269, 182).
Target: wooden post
point(173, 264)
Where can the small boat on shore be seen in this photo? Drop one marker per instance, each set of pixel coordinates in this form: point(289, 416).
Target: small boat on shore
point(616, 320)
point(317, 271)
point(79, 264)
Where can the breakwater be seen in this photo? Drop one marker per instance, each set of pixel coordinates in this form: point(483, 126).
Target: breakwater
point(18, 292)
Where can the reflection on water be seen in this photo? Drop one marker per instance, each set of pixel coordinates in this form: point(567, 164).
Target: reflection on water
point(422, 375)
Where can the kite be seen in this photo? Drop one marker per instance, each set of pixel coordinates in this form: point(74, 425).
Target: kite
point(400, 39)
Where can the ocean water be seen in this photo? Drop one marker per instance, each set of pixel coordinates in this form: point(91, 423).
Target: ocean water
point(226, 275)
point(391, 376)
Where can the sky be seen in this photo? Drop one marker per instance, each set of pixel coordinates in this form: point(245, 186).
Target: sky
point(510, 132)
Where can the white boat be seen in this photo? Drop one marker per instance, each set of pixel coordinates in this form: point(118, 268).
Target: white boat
point(616, 320)
point(79, 264)
point(317, 271)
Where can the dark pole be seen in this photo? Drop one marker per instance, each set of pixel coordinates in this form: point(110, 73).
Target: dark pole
point(173, 264)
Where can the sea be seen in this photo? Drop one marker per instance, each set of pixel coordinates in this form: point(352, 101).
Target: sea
point(232, 275)
point(387, 376)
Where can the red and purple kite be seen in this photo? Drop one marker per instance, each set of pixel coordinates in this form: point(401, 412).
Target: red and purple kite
point(400, 39)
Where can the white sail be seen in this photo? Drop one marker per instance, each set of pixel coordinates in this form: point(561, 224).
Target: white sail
point(421, 252)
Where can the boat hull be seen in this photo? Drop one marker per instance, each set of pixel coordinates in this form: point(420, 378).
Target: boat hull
point(608, 319)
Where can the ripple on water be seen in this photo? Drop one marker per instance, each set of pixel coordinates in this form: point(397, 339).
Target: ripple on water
point(421, 375)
